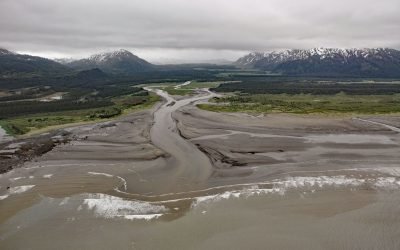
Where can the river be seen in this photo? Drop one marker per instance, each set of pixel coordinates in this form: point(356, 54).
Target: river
point(191, 166)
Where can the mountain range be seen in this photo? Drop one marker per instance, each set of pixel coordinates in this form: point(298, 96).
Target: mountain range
point(120, 62)
point(375, 62)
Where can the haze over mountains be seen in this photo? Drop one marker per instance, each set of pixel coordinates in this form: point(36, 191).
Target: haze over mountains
point(375, 62)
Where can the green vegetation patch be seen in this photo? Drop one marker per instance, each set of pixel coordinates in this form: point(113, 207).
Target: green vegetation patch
point(19, 125)
point(306, 103)
point(292, 86)
point(23, 125)
point(149, 102)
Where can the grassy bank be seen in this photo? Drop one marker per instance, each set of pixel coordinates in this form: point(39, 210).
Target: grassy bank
point(306, 104)
point(39, 122)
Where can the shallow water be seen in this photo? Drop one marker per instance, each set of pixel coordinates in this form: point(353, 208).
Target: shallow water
point(331, 219)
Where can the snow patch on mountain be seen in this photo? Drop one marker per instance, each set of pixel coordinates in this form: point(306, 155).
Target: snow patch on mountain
point(321, 53)
point(104, 57)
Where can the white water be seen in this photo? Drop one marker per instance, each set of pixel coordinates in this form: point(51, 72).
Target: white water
point(107, 206)
point(16, 190)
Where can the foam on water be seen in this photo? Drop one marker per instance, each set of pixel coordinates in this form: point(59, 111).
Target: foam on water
point(124, 183)
point(319, 181)
point(394, 171)
point(102, 174)
point(387, 183)
point(107, 206)
point(17, 178)
point(16, 190)
point(280, 187)
point(142, 216)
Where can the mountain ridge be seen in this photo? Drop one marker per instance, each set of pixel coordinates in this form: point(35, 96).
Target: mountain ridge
point(326, 61)
point(115, 62)
point(12, 63)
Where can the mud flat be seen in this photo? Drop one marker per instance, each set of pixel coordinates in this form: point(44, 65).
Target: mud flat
point(72, 165)
point(176, 177)
point(246, 148)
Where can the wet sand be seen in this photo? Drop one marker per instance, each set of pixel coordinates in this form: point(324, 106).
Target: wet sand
point(176, 177)
point(273, 145)
point(4, 137)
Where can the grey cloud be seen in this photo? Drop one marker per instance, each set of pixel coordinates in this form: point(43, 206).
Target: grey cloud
point(180, 28)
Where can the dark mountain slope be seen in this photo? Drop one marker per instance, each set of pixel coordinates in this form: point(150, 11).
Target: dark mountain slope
point(16, 64)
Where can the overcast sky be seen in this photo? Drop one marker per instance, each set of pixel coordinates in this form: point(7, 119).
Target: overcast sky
point(194, 30)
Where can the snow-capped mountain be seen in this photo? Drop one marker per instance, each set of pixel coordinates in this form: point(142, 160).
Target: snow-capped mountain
point(327, 61)
point(118, 62)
